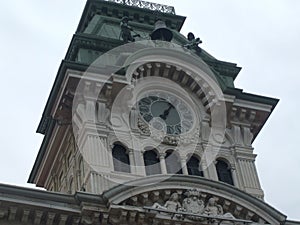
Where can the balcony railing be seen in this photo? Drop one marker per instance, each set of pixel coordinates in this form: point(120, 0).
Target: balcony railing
point(146, 5)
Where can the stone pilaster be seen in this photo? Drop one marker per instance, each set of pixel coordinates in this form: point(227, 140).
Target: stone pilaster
point(248, 173)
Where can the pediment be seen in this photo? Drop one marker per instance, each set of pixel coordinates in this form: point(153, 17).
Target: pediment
point(185, 200)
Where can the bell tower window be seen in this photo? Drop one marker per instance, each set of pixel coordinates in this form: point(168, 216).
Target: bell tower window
point(173, 162)
point(152, 164)
point(224, 172)
point(120, 159)
point(193, 166)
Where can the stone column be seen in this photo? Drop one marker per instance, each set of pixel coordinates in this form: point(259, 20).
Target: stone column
point(204, 168)
point(213, 171)
point(237, 136)
point(209, 158)
point(140, 165)
point(91, 110)
point(183, 165)
point(78, 179)
point(92, 182)
point(163, 166)
point(90, 102)
point(103, 113)
point(234, 177)
point(132, 161)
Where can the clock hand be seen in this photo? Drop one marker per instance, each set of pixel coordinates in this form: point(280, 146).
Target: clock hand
point(166, 112)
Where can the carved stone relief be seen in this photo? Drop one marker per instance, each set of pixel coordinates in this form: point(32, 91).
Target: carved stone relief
point(190, 206)
point(194, 208)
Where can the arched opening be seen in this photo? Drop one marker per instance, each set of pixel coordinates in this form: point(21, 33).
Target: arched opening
point(173, 162)
point(120, 159)
point(194, 167)
point(224, 172)
point(152, 164)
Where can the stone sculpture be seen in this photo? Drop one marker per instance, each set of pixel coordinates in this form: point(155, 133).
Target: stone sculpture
point(192, 203)
point(194, 207)
point(126, 30)
point(172, 204)
point(212, 208)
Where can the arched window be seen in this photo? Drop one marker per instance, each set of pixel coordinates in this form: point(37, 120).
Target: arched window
point(193, 166)
point(224, 172)
point(120, 159)
point(152, 164)
point(173, 162)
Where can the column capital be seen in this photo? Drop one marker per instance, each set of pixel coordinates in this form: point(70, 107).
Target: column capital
point(130, 150)
point(232, 168)
point(162, 155)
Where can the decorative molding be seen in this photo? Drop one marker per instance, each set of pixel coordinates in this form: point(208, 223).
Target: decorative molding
point(192, 205)
point(146, 5)
point(187, 206)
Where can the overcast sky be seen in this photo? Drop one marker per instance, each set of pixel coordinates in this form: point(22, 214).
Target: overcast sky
point(261, 36)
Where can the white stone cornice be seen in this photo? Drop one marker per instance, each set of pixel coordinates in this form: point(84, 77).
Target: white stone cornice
point(252, 105)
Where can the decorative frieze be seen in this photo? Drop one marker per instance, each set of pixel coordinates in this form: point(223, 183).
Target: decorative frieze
point(194, 208)
point(181, 207)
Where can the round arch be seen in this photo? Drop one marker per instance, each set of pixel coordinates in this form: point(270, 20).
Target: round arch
point(226, 195)
point(224, 172)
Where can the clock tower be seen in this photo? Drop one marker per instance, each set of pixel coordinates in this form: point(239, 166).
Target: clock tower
point(143, 126)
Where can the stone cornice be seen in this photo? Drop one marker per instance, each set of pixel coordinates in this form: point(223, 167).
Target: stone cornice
point(224, 68)
point(16, 203)
point(94, 42)
point(16, 192)
point(239, 94)
point(46, 117)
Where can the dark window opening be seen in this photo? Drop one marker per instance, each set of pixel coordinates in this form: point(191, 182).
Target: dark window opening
point(152, 163)
point(193, 166)
point(120, 159)
point(224, 172)
point(173, 163)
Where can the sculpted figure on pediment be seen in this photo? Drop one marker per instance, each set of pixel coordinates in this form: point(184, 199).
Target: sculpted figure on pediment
point(212, 208)
point(195, 207)
point(172, 204)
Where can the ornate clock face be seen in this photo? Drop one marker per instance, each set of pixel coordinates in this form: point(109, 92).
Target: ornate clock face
point(167, 113)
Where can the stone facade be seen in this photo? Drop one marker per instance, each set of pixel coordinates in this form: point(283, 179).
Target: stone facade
point(95, 135)
point(103, 161)
point(179, 200)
